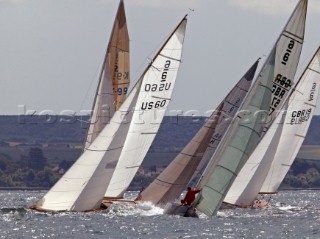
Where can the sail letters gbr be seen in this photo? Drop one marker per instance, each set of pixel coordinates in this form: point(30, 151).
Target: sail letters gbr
point(282, 83)
point(163, 85)
point(300, 116)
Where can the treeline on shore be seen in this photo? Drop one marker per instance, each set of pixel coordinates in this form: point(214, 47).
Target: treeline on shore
point(35, 151)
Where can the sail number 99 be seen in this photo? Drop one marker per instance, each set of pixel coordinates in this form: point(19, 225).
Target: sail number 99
point(122, 91)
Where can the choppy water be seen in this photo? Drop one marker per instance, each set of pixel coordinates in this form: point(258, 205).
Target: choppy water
point(293, 214)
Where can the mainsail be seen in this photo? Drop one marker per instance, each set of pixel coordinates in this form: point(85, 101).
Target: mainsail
point(83, 186)
point(153, 101)
point(173, 180)
point(302, 105)
point(249, 180)
point(268, 93)
point(114, 78)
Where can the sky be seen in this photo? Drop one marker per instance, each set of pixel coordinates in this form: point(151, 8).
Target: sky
point(51, 51)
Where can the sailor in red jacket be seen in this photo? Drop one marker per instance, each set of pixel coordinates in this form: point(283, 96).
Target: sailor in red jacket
point(190, 196)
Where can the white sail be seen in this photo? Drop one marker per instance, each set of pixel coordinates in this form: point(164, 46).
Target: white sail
point(248, 182)
point(114, 78)
point(83, 186)
point(156, 91)
point(302, 105)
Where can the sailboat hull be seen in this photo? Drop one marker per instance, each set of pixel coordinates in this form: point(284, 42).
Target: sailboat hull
point(180, 210)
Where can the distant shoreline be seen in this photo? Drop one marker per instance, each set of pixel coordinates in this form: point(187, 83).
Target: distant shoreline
point(22, 189)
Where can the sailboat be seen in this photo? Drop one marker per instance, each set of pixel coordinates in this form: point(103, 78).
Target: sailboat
point(114, 77)
point(173, 180)
point(301, 108)
point(248, 182)
point(256, 114)
point(153, 101)
point(83, 186)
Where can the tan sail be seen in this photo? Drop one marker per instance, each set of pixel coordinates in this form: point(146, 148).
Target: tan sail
point(118, 55)
point(114, 78)
point(173, 180)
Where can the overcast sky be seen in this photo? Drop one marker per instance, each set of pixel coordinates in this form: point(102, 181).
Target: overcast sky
point(51, 51)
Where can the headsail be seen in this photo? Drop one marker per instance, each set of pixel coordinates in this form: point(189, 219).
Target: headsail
point(249, 180)
point(83, 186)
point(114, 78)
point(243, 137)
point(302, 105)
point(153, 101)
point(173, 180)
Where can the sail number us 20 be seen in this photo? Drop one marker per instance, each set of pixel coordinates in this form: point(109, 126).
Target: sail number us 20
point(163, 85)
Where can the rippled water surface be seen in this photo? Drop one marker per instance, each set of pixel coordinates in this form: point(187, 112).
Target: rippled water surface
point(293, 214)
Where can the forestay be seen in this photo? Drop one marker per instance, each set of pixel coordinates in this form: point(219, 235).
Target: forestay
point(155, 95)
point(288, 49)
point(114, 78)
point(301, 108)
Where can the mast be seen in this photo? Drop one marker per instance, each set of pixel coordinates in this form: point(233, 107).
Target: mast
point(114, 78)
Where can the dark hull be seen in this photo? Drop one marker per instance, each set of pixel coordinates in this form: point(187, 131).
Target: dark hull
point(180, 210)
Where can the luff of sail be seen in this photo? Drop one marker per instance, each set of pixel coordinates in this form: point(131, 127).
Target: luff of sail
point(153, 101)
point(239, 141)
point(173, 180)
point(83, 186)
point(250, 179)
point(114, 78)
point(302, 105)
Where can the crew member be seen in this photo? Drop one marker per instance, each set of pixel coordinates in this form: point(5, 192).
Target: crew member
point(190, 196)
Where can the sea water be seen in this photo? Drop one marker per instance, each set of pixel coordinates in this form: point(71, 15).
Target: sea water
point(292, 214)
